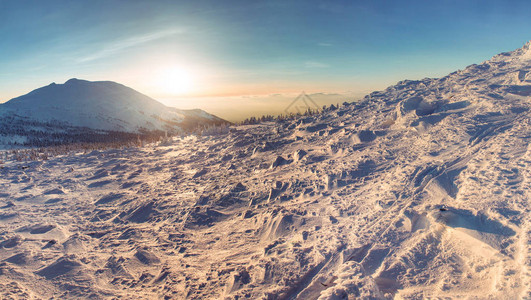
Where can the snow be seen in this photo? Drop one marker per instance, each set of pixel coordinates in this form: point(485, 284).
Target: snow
point(418, 191)
point(102, 105)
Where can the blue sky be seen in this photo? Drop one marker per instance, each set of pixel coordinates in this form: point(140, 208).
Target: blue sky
point(239, 48)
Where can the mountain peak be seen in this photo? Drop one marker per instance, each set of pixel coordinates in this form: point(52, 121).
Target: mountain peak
point(75, 80)
point(102, 105)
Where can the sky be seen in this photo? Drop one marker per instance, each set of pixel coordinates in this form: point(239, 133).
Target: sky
point(238, 58)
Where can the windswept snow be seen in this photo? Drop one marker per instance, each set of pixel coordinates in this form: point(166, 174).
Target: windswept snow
point(418, 191)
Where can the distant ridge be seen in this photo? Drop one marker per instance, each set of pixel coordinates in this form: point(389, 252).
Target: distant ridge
point(102, 106)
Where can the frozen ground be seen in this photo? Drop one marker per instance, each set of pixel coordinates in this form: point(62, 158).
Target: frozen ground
point(418, 191)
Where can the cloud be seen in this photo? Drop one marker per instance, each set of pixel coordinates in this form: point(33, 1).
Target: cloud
point(117, 47)
point(324, 44)
point(315, 64)
point(326, 94)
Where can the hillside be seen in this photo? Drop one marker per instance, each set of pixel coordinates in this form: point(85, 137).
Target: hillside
point(80, 108)
point(418, 191)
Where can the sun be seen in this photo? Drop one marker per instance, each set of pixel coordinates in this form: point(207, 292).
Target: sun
point(174, 81)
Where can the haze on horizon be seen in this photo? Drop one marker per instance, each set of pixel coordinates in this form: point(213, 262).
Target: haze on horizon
point(242, 58)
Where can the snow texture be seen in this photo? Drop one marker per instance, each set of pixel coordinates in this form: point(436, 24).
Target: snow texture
point(418, 191)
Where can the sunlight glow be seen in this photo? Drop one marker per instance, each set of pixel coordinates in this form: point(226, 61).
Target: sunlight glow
point(174, 81)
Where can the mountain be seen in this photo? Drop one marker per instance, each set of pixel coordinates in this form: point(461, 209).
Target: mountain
point(101, 106)
point(419, 191)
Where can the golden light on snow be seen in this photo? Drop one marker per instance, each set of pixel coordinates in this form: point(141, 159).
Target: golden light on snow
point(174, 80)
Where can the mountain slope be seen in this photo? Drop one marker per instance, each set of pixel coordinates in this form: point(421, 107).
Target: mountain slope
point(101, 105)
point(418, 191)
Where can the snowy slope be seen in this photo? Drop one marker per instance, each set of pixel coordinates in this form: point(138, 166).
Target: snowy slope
point(418, 191)
point(101, 105)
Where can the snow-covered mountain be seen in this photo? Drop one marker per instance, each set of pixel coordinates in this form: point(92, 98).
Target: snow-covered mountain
point(420, 191)
point(99, 105)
